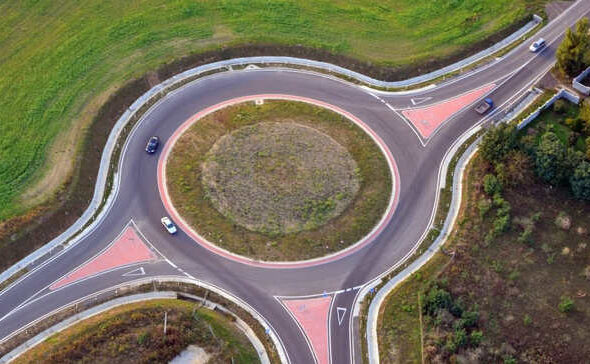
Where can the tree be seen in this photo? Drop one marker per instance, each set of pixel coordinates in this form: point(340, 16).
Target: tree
point(518, 168)
point(573, 52)
point(580, 181)
point(551, 159)
point(497, 142)
point(588, 148)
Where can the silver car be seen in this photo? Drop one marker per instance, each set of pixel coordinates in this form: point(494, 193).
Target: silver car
point(540, 43)
point(169, 225)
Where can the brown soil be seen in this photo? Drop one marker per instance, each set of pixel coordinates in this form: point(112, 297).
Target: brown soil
point(279, 177)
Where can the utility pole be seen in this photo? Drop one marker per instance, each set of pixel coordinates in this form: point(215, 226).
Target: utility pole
point(165, 321)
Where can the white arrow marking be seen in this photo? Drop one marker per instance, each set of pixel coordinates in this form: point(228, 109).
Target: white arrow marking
point(419, 100)
point(136, 272)
point(341, 312)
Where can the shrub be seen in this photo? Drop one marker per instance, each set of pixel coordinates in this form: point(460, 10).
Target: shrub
point(460, 338)
point(470, 318)
point(580, 181)
point(576, 124)
point(526, 236)
point(501, 224)
point(566, 304)
point(559, 106)
point(497, 142)
point(491, 184)
point(550, 159)
point(475, 338)
point(435, 299)
point(484, 205)
point(518, 168)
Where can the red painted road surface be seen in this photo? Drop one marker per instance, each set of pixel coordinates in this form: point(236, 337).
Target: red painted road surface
point(183, 225)
point(127, 249)
point(427, 119)
point(312, 316)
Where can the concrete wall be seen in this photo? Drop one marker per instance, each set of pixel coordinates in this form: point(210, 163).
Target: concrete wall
point(576, 83)
point(561, 94)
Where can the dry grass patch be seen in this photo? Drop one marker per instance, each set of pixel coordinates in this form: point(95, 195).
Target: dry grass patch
point(279, 178)
point(306, 183)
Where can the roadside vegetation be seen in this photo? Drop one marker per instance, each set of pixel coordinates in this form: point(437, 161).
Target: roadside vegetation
point(135, 333)
point(280, 223)
point(516, 289)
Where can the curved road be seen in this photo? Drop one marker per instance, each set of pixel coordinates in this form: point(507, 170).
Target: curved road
point(418, 160)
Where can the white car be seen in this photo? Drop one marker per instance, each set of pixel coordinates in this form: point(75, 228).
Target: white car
point(169, 225)
point(540, 43)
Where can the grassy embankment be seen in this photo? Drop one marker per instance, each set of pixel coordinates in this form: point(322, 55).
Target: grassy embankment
point(134, 333)
point(184, 175)
point(60, 61)
point(519, 294)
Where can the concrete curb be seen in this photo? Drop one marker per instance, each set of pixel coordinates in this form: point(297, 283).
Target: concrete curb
point(40, 255)
point(160, 294)
point(373, 314)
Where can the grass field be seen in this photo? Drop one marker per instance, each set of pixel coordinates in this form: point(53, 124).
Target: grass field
point(134, 333)
point(61, 60)
point(327, 233)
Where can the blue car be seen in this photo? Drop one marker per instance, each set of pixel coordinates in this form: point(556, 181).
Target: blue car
point(152, 145)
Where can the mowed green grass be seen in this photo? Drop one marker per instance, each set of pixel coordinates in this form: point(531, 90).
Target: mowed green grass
point(58, 56)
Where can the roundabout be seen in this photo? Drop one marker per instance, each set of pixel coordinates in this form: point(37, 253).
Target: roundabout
point(309, 307)
point(289, 188)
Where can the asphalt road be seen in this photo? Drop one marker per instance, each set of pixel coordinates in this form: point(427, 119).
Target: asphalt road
point(418, 161)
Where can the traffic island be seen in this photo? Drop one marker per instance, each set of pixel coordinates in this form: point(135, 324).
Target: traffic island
point(278, 180)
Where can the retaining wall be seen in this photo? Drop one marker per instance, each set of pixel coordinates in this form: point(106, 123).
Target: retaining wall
point(577, 82)
point(561, 94)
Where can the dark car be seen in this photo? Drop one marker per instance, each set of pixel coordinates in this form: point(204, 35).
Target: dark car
point(484, 106)
point(152, 144)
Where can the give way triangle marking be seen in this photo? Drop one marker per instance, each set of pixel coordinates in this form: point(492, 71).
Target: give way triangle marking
point(136, 272)
point(341, 312)
point(419, 100)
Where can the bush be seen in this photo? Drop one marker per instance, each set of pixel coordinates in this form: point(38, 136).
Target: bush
point(551, 159)
point(497, 142)
point(559, 106)
point(526, 236)
point(576, 124)
point(470, 318)
point(491, 184)
point(580, 181)
point(484, 205)
point(475, 338)
point(501, 224)
point(527, 320)
point(435, 299)
point(460, 338)
point(566, 304)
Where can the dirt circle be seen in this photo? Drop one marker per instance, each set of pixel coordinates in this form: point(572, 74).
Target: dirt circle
point(282, 181)
point(279, 178)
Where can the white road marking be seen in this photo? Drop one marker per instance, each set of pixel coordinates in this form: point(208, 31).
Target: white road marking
point(341, 312)
point(419, 100)
point(136, 272)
